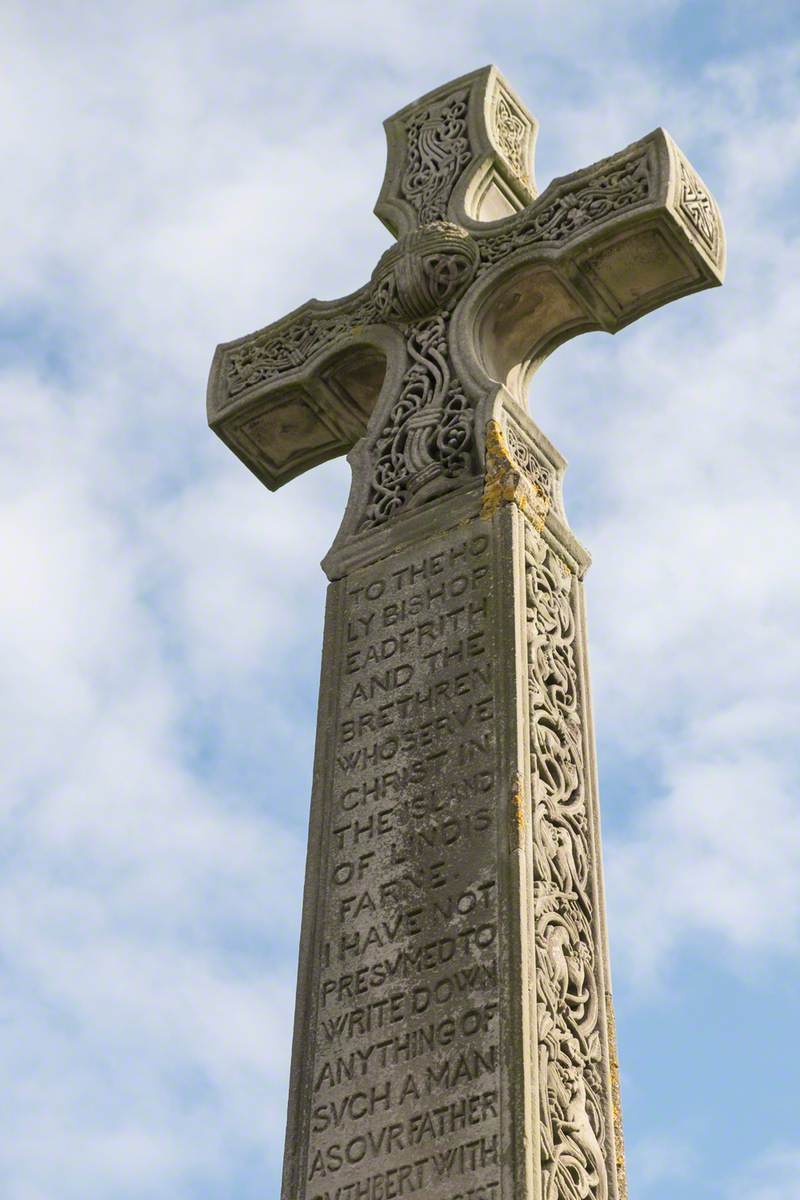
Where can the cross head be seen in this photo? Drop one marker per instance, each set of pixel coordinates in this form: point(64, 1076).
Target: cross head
point(484, 280)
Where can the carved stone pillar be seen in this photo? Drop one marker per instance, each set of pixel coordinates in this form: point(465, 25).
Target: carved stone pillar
point(454, 1029)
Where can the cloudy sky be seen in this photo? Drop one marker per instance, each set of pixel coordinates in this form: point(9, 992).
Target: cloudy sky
point(176, 174)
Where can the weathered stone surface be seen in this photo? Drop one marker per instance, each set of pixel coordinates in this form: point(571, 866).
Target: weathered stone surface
point(454, 1031)
point(452, 1021)
point(401, 1051)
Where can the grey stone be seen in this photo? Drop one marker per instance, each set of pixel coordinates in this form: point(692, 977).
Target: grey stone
point(454, 1024)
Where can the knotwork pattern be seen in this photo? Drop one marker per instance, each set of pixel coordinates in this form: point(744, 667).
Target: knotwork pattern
point(531, 465)
point(619, 185)
point(568, 986)
point(425, 272)
point(261, 360)
point(699, 209)
point(438, 151)
point(428, 439)
point(510, 134)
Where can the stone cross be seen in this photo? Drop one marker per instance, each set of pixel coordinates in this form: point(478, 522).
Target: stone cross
point(454, 1032)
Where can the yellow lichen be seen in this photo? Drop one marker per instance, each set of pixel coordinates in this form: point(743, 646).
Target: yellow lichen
point(616, 1100)
point(506, 483)
point(518, 812)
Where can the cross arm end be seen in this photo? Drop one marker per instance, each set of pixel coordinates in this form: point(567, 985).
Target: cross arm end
point(672, 246)
point(300, 391)
point(597, 250)
point(461, 153)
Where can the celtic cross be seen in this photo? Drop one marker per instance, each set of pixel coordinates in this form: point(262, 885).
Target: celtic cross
point(454, 1026)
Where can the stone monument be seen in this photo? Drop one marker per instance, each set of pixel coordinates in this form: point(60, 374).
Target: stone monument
point(454, 1031)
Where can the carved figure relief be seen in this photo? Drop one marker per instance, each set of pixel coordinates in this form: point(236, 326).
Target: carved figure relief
point(428, 439)
point(619, 185)
point(568, 986)
point(438, 151)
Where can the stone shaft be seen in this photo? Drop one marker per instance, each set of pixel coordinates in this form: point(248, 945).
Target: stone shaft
point(451, 1034)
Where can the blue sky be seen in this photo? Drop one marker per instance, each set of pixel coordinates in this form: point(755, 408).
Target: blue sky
point(175, 175)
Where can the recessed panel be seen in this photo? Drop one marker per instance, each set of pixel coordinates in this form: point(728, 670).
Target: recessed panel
point(636, 268)
point(284, 439)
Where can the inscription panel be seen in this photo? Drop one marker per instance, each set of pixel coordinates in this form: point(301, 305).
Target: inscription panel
point(402, 1079)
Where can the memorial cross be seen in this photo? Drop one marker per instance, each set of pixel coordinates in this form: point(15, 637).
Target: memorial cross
point(454, 1033)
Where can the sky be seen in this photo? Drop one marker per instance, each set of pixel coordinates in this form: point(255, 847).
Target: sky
point(175, 175)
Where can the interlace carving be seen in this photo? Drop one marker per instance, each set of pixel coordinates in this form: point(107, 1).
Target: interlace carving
point(620, 185)
point(570, 1052)
point(425, 272)
point(699, 209)
point(510, 132)
point(261, 360)
point(428, 439)
point(531, 465)
point(438, 151)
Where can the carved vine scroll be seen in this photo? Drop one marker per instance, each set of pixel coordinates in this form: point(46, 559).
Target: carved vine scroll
point(572, 1055)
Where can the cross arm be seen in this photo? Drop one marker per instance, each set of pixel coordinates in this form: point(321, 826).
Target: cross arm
point(299, 391)
point(598, 249)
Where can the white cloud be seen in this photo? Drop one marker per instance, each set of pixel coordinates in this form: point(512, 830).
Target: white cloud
point(127, 883)
point(775, 1175)
point(717, 855)
point(657, 1159)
